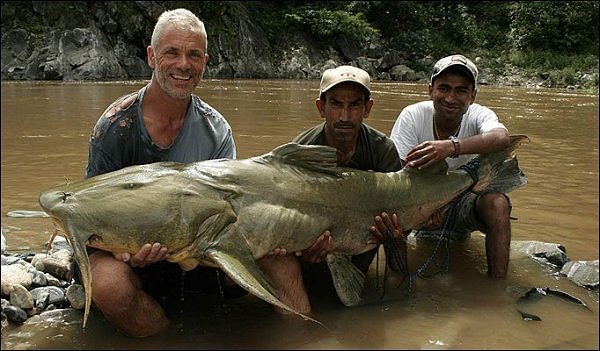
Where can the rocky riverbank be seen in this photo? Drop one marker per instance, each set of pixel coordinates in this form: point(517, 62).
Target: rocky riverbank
point(35, 285)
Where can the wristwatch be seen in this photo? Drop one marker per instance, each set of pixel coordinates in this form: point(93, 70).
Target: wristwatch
point(456, 144)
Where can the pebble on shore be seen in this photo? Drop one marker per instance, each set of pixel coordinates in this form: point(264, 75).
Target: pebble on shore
point(35, 283)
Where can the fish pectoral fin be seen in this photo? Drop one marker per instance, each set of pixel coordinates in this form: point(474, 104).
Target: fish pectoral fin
point(241, 267)
point(348, 280)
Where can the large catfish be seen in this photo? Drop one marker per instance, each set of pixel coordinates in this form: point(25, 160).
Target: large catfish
point(229, 213)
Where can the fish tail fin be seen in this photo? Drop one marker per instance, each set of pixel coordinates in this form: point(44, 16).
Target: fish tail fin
point(497, 172)
point(348, 280)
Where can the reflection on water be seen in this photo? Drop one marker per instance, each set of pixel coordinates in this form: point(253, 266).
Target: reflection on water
point(45, 127)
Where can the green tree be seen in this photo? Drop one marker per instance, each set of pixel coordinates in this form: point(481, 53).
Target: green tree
point(555, 26)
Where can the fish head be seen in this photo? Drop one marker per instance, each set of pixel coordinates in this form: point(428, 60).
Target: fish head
point(120, 210)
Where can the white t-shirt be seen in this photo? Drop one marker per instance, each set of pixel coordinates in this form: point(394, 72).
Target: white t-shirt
point(415, 125)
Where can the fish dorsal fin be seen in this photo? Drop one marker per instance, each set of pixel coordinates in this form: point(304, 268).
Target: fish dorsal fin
point(317, 158)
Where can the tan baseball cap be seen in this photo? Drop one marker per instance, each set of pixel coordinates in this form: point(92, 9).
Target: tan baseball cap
point(459, 61)
point(334, 76)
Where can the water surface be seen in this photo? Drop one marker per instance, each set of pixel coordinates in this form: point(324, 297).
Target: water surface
point(45, 129)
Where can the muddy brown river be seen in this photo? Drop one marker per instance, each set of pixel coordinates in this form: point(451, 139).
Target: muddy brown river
point(45, 128)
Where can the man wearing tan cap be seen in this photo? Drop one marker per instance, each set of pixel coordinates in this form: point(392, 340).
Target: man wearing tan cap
point(344, 102)
point(452, 127)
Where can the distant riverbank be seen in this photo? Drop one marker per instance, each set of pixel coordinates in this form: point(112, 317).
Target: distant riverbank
point(106, 40)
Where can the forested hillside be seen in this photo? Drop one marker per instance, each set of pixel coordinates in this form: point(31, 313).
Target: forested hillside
point(551, 41)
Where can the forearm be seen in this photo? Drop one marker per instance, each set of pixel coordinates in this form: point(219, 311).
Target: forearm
point(494, 140)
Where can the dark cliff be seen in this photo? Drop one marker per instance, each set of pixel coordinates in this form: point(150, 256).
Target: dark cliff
point(106, 40)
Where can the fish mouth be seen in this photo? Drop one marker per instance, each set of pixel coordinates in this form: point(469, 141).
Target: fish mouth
point(49, 200)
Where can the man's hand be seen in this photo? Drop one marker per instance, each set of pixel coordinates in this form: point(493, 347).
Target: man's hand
point(429, 153)
point(314, 254)
point(382, 223)
point(149, 253)
point(318, 251)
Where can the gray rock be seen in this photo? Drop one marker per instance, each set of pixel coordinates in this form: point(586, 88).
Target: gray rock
point(52, 280)
point(14, 274)
point(76, 296)
point(60, 243)
point(42, 300)
point(57, 264)
point(28, 266)
point(8, 260)
point(39, 279)
point(62, 254)
point(15, 314)
point(38, 261)
point(21, 297)
point(582, 273)
point(552, 253)
point(390, 59)
point(403, 73)
point(57, 295)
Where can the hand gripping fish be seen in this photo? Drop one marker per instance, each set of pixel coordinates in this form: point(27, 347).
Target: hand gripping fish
point(230, 213)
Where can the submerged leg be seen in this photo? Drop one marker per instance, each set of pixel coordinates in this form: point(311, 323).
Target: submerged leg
point(494, 210)
point(285, 275)
point(118, 294)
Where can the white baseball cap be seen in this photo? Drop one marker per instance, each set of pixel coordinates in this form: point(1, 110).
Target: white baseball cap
point(458, 61)
point(334, 76)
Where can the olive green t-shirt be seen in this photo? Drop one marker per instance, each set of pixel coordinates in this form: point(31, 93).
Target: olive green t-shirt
point(374, 150)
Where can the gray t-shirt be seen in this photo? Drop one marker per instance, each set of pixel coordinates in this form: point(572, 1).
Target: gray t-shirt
point(120, 139)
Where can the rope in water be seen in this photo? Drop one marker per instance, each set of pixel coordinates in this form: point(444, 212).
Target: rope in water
point(394, 255)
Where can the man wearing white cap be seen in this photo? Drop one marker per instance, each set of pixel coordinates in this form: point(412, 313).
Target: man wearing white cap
point(452, 127)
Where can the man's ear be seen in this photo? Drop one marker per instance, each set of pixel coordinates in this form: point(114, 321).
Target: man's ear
point(473, 95)
point(368, 107)
point(150, 55)
point(320, 107)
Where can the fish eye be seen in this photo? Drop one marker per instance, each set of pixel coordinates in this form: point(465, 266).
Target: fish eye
point(132, 185)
